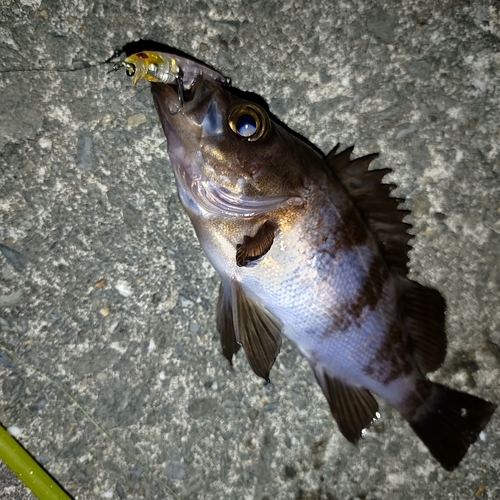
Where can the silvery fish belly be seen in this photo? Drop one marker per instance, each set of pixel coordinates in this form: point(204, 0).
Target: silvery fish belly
point(311, 247)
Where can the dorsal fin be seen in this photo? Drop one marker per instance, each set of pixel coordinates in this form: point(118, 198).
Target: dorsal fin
point(373, 200)
point(423, 315)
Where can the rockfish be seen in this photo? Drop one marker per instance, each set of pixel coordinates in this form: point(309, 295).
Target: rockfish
point(312, 247)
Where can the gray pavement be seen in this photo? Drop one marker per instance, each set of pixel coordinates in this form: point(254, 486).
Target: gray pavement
point(104, 289)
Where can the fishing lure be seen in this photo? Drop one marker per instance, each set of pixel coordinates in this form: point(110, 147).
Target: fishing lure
point(159, 67)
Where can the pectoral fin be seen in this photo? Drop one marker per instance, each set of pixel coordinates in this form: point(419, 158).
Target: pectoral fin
point(353, 408)
point(258, 331)
point(255, 247)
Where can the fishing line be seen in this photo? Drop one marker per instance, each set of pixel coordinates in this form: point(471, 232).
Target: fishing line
point(62, 69)
point(100, 429)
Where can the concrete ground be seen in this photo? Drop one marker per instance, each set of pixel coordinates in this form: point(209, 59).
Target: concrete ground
point(104, 289)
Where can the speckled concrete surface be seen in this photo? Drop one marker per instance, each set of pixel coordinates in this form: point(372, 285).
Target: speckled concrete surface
point(103, 286)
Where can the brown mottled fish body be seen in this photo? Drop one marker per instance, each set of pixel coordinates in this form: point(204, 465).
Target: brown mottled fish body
point(316, 249)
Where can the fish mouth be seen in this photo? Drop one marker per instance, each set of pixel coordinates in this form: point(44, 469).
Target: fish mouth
point(188, 114)
point(185, 76)
point(188, 100)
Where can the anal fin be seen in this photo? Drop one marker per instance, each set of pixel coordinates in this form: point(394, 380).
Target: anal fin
point(255, 247)
point(353, 408)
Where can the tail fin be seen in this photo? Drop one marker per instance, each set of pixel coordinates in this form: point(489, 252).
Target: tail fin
point(452, 424)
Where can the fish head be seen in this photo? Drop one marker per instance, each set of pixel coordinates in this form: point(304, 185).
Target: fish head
point(227, 153)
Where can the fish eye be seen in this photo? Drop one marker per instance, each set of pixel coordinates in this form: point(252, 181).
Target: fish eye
point(248, 121)
point(246, 125)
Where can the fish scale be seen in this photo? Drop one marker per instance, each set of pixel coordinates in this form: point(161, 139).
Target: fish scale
point(311, 247)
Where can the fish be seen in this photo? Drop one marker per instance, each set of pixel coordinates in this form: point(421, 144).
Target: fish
point(310, 246)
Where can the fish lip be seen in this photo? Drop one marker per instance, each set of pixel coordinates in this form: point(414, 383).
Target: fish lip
point(165, 93)
point(168, 102)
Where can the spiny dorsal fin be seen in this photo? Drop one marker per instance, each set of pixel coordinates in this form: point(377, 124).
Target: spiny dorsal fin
point(353, 408)
point(373, 200)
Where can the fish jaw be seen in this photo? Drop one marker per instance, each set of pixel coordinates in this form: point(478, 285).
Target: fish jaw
point(181, 141)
